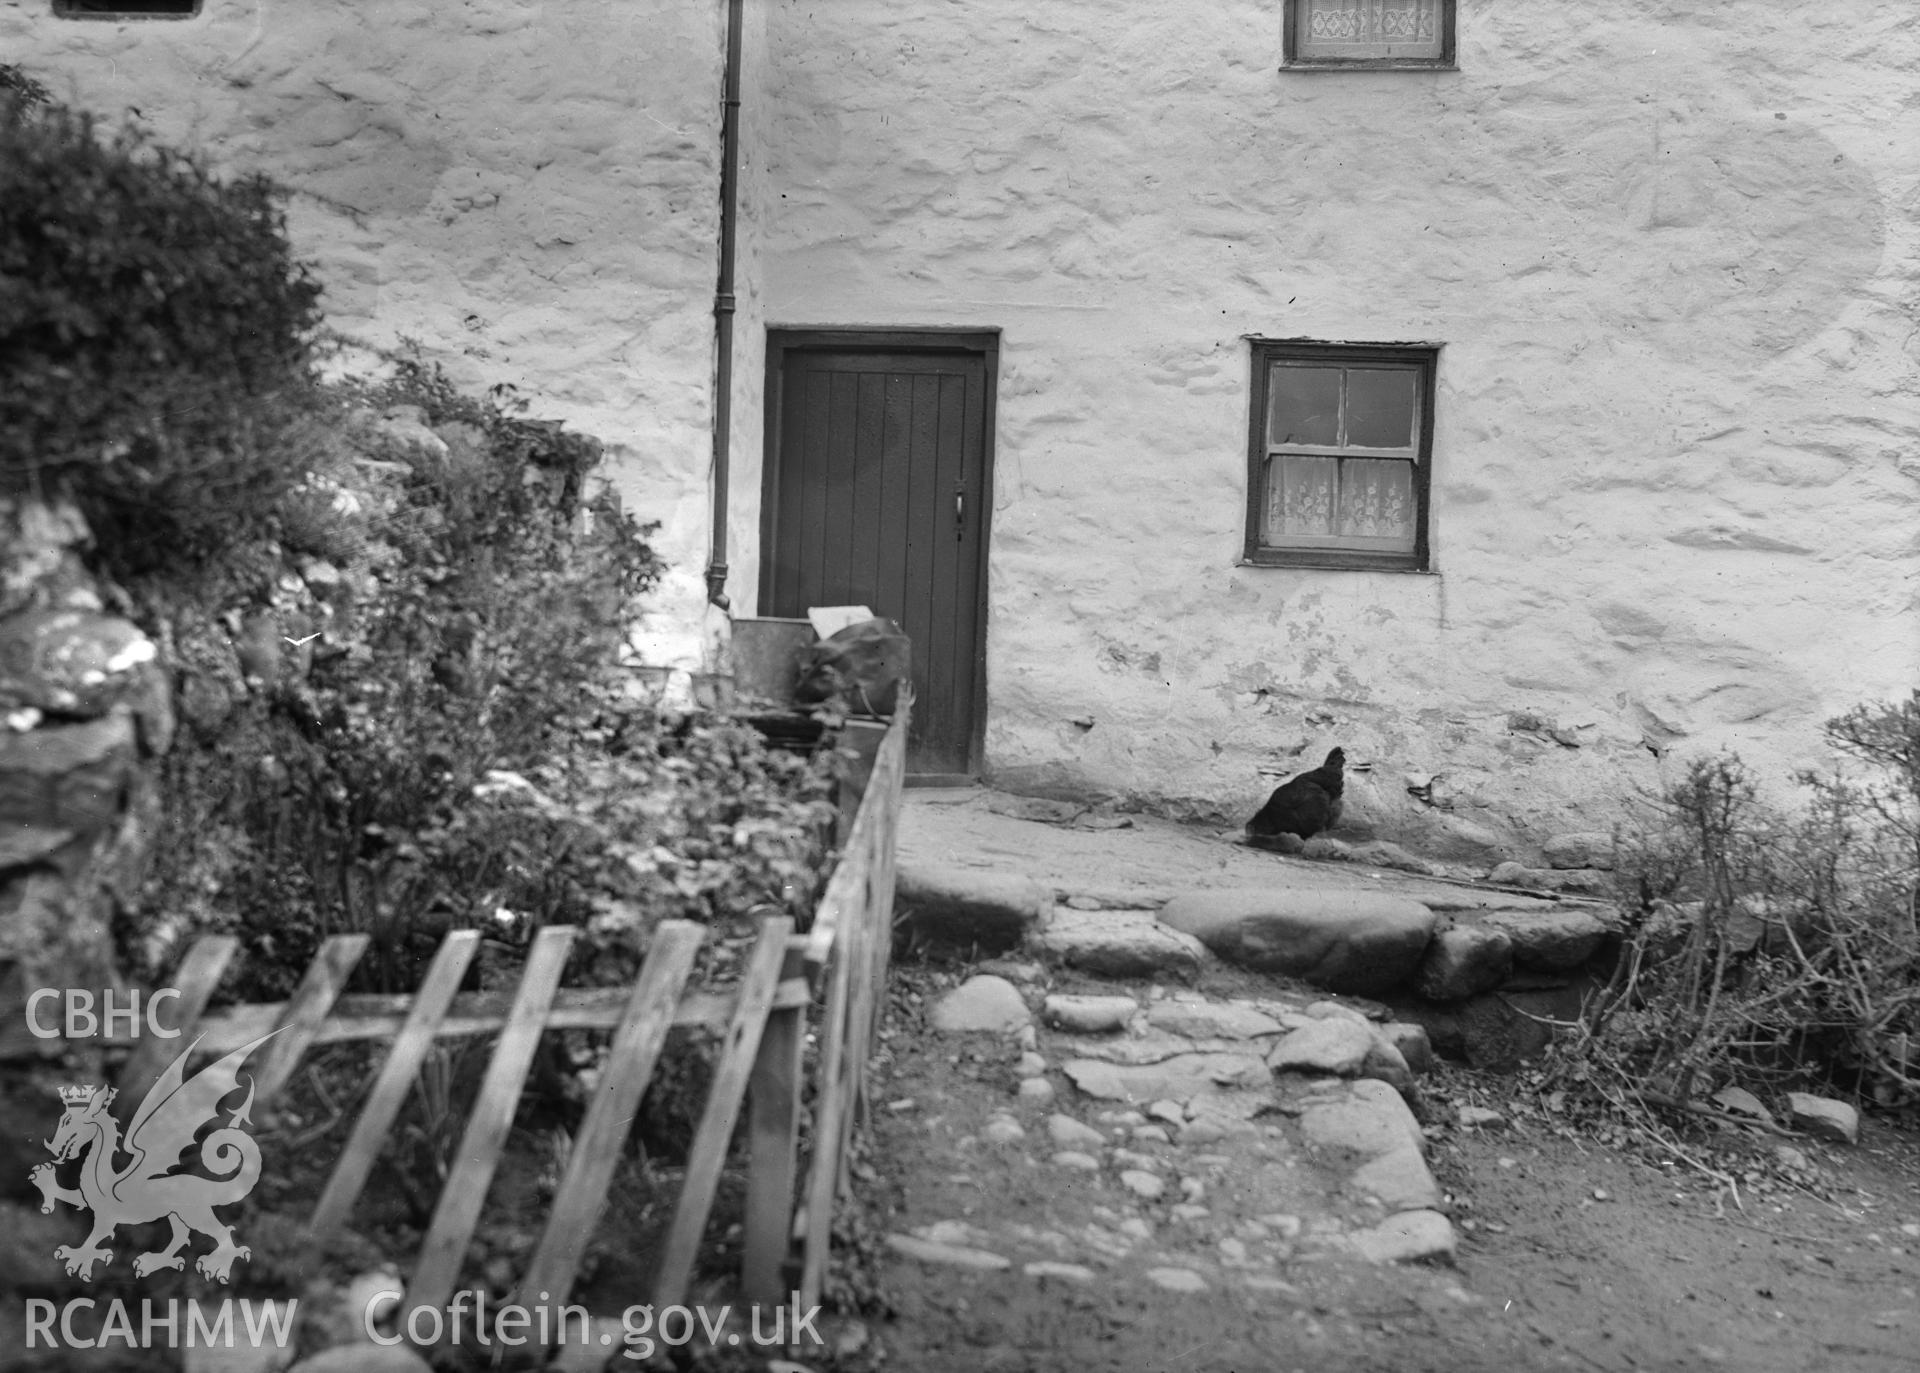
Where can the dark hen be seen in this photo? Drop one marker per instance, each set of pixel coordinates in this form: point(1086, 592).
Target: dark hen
point(1304, 805)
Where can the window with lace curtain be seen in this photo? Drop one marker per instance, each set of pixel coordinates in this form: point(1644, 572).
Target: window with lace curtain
point(1341, 448)
point(1368, 33)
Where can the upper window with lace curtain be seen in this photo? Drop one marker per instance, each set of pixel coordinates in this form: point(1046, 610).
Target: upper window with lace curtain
point(1342, 439)
point(126, 9)
point(1388, 34)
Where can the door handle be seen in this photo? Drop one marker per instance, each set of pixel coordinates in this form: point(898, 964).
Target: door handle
point(959, 511)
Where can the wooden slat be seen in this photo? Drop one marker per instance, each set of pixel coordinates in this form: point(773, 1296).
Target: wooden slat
point(708, 1154)
point(596, 1149)
point(828, 1106)
point(198, 974)
point(857, 1048)
point(473, 1013)
point(396, 1079)
point(773, 1129)
point(862, 905)
point(312, 999)
point(479, 1153)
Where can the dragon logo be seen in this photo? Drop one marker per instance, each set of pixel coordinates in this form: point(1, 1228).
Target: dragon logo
point(163, 1129)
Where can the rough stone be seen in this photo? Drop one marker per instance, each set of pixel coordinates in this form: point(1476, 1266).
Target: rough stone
point(1823, 1117)
point(1207, 1130)
point(1211, 1020)
point(22, 844)
point(1013, 969)
point(1412, 1042)
point(1152, 1134)
point(1147, 1186)
point(1336, 1010)
point(1069, 1133)
point(980, 1004)
point(1739, 1101)
point(949, 1255)
point(1327, 1046)
point(1410, 1237)
point(1549, 940)
point(969, 908)
point(1464, 960)
point(1169, 1111)
point(1042, 809)
point(1090, 1014)
point(1327, 849)
point(1380, 853)
point(1384, 1063)
point(1587, 880)
point(70, 662)
point(1398, 1179)
point(1177, 1279)
point(1030, 1065)
point(1373, 1120)
point(1181, 1078)
point(1345, 941)
point(1036, 1091)
point(1260, 1282)
point(1074, 1158)
point(54, 934)
point(1127, 943)
point(1586, 849)
point(1003, 1130)
point(68, 776)
point(1479, 1117)
point(1066, 1272)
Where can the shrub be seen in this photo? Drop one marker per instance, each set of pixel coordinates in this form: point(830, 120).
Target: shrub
point(465, 750)
point(156, 336)
point(1773, 946)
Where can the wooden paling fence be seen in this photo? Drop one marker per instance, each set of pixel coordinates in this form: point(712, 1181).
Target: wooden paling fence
point(831, 979)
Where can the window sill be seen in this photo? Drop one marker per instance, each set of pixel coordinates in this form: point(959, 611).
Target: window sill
point(1329, 565)
point(1388, 65)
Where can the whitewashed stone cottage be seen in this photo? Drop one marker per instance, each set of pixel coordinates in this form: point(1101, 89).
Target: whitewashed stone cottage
point(1511, 392)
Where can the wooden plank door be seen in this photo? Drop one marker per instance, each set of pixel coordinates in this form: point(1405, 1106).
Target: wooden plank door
point(877, 493)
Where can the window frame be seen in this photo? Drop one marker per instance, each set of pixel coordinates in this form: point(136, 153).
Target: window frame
point(1293, 57)
point(1423, 359)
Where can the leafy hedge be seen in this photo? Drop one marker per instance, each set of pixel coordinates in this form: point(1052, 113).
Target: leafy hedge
point(465, 748)
point(156, 335)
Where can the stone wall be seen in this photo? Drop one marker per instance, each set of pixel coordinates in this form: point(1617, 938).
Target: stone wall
point(528, 189)
point(1669, 250)
point(85, 710)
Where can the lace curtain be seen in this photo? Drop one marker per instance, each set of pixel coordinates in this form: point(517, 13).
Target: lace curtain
point(1371, 28)
point(1340, 499)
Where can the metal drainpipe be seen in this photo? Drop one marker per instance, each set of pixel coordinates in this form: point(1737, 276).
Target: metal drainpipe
point(723, 309)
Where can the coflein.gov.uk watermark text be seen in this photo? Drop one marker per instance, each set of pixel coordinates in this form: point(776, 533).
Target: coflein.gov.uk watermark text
point(470, 1319)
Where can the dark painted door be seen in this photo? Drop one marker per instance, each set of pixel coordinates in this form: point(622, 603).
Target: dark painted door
point(877, 494)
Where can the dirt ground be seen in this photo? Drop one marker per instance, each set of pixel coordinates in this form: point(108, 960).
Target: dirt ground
point(1573, 1254)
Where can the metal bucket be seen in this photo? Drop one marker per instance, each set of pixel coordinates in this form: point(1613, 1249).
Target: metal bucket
point(766, 658)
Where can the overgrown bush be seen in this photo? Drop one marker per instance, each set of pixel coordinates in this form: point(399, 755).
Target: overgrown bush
point(156, 336)
point(1772, 947)
point(464, 749)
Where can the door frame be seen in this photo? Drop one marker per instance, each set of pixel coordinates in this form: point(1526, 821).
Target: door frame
point(891, 339)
